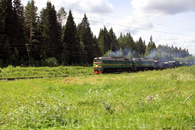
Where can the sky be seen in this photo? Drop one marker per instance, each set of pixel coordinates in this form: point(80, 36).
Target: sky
point(169, 22)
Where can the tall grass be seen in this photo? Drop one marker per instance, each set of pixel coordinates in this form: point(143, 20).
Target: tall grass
point(61, 71)
point(142, 100)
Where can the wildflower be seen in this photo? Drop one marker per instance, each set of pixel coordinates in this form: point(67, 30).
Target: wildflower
point(89, 90)
point(150, 98)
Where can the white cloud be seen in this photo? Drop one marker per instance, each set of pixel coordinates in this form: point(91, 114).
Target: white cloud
point(192, 50)
point(190, 40)
point(78, 6)
point(158, 38)
point(98, 6)
point(129, 24)
point(170, 38)
point(163, 6)
point(189, 44)
point(93, 10)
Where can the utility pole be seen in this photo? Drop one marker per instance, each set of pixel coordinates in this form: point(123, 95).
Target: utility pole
point(27, 49)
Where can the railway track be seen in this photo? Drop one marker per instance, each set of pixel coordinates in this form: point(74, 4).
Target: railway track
point(40, 77)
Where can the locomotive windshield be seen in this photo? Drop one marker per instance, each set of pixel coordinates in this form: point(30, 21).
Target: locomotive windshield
point(97, 60)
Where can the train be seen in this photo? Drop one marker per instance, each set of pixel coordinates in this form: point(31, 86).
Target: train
point(121, 64)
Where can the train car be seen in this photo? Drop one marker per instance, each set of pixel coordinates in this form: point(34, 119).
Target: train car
point(171, 64)
point(187, 63)
point(166, 64)
point(143, 64)
point(158, 64)
point(190, 63)
point(112, 64)
point(180, 63)
point(177, 63)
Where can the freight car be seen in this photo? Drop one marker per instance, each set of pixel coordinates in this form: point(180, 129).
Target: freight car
point(159, 64)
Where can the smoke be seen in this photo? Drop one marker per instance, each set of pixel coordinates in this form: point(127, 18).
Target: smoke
point(122, 53)
point(152, 54)
point(166, 54)
point(160, 54)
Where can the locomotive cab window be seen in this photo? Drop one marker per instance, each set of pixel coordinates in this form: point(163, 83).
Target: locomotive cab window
point(97, 60)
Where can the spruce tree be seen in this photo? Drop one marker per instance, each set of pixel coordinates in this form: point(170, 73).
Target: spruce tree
point(121, 41)
point(12, 36)
point(20, 35)
point(50, 35)
point(140, 45)
point(96, 48)
point(130, 42)
point(151, 46)
point(101, 42)
point(86, 40)
point(104, 41)
point(113, 40)
point(71, 46)
point(127, 42)
point(6, 26)
point(107, 40)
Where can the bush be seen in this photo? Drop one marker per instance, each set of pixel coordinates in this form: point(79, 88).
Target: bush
point(52, 61)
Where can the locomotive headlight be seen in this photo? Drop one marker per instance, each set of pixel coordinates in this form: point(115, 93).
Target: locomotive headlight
point(96, 65)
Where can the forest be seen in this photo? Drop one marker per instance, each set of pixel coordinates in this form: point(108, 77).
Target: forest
point(32, 38)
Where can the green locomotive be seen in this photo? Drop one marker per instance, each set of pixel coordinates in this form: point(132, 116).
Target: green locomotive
point(121, 64)
point(112, 64)
point(143, 64)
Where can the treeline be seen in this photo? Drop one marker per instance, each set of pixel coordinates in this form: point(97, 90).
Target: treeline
point(129, 48)
point(27, 38)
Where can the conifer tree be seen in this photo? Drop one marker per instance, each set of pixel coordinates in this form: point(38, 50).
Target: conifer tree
point(151, 46)
point(61, 15)
point(127, 42)
point(107, 40)
point(104, 41)
point(140, 45)
point(130, 42)
point(30, 16)
point(121, 41)
point(71, 47)
point(50, 35)
point(86, 40)
point(20, 35)
point(113, 40)
point(100, 41)
point(11, 30)
point(96, 48)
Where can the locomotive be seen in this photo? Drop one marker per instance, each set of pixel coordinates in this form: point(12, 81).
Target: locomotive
point(121, 64)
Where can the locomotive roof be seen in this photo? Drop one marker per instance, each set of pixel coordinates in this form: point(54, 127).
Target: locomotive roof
point(142, 59)
point(114, 58)
point(159, 61)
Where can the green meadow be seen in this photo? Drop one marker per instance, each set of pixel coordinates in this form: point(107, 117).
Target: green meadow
point(28, 72)
point(142, 100)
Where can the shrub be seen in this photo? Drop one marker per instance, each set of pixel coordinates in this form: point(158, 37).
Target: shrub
point(52, 61)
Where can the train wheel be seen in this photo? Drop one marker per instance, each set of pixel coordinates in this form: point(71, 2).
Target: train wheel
point(130, 70)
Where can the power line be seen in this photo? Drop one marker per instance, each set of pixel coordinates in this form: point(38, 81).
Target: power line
point(119, 17)
point(139, 28)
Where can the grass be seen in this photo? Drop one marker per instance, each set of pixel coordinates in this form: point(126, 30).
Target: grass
point(142, 100)
point(61, 71)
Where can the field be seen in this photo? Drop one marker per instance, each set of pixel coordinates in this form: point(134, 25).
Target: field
point(42, 72)
point(142, 100)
